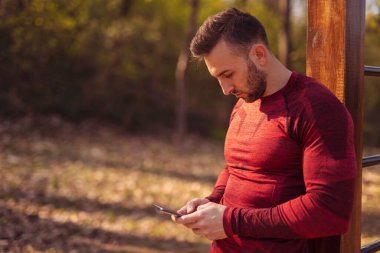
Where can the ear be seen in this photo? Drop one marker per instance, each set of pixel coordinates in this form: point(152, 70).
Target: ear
point(258, 54)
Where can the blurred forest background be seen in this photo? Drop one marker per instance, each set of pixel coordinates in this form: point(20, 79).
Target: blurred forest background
point(117, 60)
point(92, 93)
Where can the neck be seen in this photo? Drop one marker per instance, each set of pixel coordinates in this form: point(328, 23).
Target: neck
point(277, 76)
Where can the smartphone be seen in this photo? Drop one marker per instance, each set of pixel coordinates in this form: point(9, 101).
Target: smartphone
point(166, 210)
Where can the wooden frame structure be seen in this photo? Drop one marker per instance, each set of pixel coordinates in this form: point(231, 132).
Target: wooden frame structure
point(335, 38)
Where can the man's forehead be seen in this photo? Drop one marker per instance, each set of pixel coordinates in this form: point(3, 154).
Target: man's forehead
point(221, 58)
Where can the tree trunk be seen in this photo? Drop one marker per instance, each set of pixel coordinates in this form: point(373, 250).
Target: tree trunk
point(243, 5)
point(183, 58)
point(284, 46)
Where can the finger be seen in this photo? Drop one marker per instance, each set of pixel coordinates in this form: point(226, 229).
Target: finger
point(188, 218)
point(183, 210)
point(191, 207)
point(189, 225)
point(194, 225)
point(174, 218)
point(213, 237)
point(210, 238)
point(200, 207)
point(197, 231)
point(216, 236)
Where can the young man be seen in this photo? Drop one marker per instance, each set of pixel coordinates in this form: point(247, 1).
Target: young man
point(290, 159)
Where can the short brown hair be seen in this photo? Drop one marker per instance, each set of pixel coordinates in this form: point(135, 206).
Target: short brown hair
point(233, 26)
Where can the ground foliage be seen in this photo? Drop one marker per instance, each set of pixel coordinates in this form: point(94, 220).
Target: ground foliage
point(89, 188)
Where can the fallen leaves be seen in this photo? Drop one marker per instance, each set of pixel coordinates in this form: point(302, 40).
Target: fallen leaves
point(90, 189)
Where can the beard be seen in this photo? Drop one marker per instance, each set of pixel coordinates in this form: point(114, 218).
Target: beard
point(256, 82)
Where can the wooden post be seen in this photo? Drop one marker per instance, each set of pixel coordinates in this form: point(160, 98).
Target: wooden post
point(335, 57)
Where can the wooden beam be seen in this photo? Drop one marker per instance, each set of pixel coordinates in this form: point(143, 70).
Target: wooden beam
point(335, 57)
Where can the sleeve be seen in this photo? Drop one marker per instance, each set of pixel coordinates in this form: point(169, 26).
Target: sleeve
point(220, 185)
point(329, 171)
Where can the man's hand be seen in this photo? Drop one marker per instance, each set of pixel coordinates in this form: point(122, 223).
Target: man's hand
point(192, 205)
point(206, 221)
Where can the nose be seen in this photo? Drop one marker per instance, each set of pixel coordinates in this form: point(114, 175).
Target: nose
point(226, 87)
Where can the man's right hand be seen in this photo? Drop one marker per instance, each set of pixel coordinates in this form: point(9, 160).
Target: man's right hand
point(192, 205)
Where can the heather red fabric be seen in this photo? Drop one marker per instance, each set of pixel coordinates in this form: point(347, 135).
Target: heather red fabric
point(290, 170)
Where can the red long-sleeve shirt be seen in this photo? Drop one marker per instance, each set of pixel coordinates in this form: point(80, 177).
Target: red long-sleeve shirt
point(290, 170)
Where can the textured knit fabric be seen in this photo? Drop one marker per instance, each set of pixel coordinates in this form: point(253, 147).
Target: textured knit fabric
point(290, 170)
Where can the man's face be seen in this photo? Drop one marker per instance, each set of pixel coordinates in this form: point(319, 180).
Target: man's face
point(236, 73)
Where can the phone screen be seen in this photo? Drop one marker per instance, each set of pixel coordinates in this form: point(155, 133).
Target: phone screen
point(166, 210)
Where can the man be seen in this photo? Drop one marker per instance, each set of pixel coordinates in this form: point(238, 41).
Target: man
point(290, 160)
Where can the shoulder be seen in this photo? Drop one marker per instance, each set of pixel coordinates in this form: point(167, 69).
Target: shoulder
point(309, 95)
point(317, 109)
point(309, 91)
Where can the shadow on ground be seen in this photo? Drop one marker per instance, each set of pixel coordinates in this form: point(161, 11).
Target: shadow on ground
point(19, 230)
point(75, 204)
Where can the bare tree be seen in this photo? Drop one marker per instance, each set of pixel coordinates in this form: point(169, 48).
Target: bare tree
point(283, 9)
point(284, 45)
point(183, 58)
point(243, 4)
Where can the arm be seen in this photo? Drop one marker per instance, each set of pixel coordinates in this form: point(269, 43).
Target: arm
point(329, 170)
point(220, 185)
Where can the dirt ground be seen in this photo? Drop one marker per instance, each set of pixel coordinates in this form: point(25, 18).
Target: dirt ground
point(89, 188)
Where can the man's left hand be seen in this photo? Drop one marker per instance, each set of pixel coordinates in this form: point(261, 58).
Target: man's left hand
point(206, 221)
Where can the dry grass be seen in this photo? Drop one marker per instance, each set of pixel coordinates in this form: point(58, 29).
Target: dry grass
point(90, 188)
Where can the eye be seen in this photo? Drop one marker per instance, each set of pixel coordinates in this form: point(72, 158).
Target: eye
point(229, 75)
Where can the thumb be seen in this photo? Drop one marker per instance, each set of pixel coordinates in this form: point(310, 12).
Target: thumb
point(190, 207)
